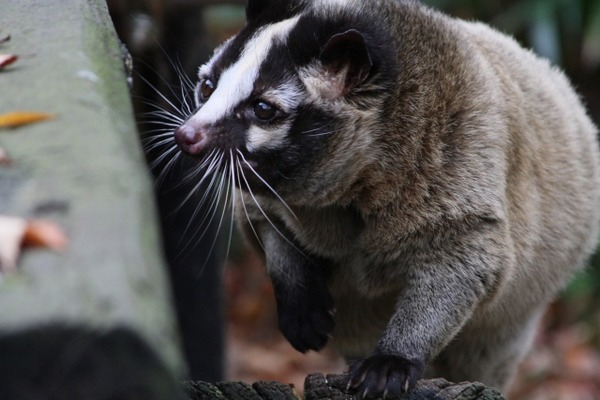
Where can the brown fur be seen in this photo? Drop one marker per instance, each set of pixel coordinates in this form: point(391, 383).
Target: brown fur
point(448, 212)
point(465, 209)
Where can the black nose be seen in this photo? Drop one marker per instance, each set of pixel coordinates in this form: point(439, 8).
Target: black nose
point(190, 139)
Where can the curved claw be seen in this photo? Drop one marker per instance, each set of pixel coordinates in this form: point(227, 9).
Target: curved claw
point(384, 376)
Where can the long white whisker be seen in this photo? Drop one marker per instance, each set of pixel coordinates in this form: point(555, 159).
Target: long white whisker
point(228, 190)
point(161, 95)
point(184, 95)
point(210, 162)
point(215, 161)
point(185, 87)
point(188, 177)
point(158, 160)
point(184, 80)
point(157, 133)
point(262, 211)
point(156, 142)
point(243, 203)
point(161, 177)
point(268, 186)
point(171, 124)
point(233, 197)
point(258, 239)
point(215, 194)
point(160, 111)
point(319, 128)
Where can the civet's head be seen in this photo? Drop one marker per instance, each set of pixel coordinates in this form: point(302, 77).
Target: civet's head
point(291, 100)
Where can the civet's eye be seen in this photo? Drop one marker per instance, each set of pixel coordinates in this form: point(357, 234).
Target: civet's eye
point(207, 87)
point(263, 110)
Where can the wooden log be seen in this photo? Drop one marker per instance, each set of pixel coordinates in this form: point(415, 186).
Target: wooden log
point(333, 387)
point(99, 312)
point(320, 387)
point(239, 391)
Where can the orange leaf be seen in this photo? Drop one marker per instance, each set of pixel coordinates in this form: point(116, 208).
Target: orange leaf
point(18, 118)
point(39, 233)
point(7, 59)
point(15, 233)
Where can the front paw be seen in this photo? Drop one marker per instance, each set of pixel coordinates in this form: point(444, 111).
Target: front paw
point(384, 376)
point(306, 319)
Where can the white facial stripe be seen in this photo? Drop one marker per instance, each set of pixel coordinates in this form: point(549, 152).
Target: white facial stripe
point(287, 96)
point(259, 138)
point(204, 70)
point(237, 82)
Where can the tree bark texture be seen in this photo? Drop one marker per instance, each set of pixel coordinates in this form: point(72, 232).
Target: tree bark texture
point(333, 387)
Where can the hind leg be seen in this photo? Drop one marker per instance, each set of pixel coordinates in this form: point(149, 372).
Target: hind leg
point(489, 355)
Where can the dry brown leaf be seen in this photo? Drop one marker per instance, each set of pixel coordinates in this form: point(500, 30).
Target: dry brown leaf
point(19, 118)
point(40, 233)
point(12, 230)
point(4, 159)
point(15, 233)
point(7, 59)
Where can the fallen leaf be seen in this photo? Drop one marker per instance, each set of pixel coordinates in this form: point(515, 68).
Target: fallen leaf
point(19, 118)
point(16, 233)
point(40, 233)
point(4, 39)
point(12, 231)
point(4, 160)
point(7, 59)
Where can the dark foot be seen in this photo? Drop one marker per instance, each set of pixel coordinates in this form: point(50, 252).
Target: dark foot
point(384, 376)
point(306, 316)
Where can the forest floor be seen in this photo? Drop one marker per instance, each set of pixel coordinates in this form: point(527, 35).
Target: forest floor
point(564, 363)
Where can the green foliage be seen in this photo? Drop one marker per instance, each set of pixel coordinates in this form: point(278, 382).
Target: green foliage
point(586, 285)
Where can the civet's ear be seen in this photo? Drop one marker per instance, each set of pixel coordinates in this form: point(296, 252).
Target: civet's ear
point(347, 54)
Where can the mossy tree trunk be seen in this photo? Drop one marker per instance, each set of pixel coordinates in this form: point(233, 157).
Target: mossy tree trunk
point(99, 315)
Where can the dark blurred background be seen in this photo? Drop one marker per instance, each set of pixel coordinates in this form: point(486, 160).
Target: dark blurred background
point(227, 314)
point(169, 40)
